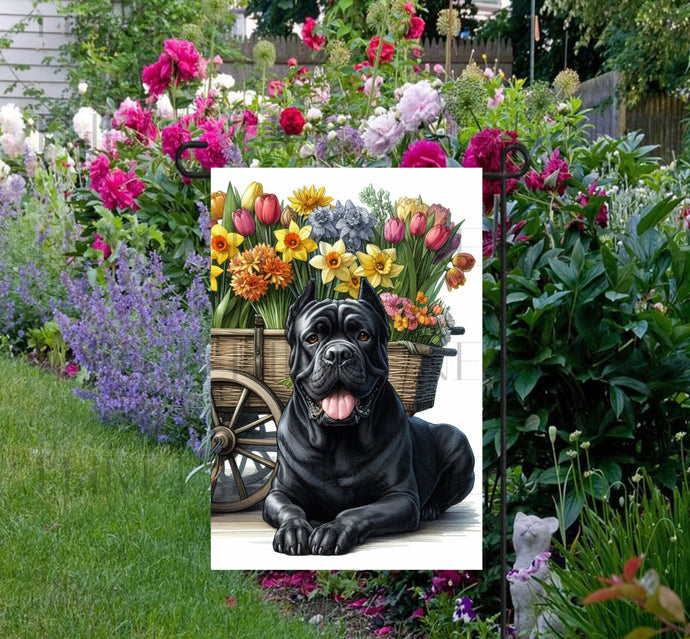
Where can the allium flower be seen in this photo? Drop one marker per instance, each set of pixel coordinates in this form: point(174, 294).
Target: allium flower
point(382, 133)
point(566, 83)
point(448, 22)
point(354, 223)
point(424, 153)
point(173, 136)
point(306, 199)
point(465, 98)
point(464, 610)
point(378, 266)
point(264, 55)
point(249, 286)
point(98, 169)
point(351, 285)
point(322, 220)
point(338, 53)
point(130, 115)
point(223, 244)
point(333, 261)
point(420, 103)
point(86, 124)
point(311, 39)
point(387, 51)
point(294, 242)
point(538, 99)
point(119, 190)
point(292, 121)
point(377, 14)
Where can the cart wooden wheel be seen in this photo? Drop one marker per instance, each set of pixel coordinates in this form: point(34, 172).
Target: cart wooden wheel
point(244, 448)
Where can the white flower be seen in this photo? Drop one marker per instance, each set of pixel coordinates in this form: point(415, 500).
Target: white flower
point(12, 143)
point(332, 135)
point(563, 107)
point(82, 87)
point(30, 121)
point(341, 119)
point(11, 120)
point(87, 125)
point(307, 127)
point(330, 126)
point(382, 133)
point(575, 435)
point(35, 142)
point(314, 114)
point(379, 110)
point(223, 81)
point(4, 171)
point(420, 103)
point(164, 108)
point(255, 164)
point(307, 150)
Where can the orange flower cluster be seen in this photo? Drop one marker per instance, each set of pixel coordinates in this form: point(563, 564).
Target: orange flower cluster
point(253, 270)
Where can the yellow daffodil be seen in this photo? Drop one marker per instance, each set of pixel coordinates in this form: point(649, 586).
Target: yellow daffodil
point(294, 242)
point(351, 284)
point(223, 244)
point(307, 199)
point(408, 206)
point(378, 266)
point(215, 272)
point(333, 261)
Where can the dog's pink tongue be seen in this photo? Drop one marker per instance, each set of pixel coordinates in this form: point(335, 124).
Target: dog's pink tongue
point(339, 404)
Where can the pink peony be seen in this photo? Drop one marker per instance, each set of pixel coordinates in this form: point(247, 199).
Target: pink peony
point(438, 68)
point(157, 76)
point(424, 153)
point(216, 153)
point(131, 115)
point(188, 62)
point(416, 28)
point(556, 173)
point(534, 181)
point(291, 62)
point(602, 216)
point(420, 103)
point(71, 369)
point(99, 244)
point(275, 88)
point(171, 138)
point(292, 121)
point(98, 169)
point(119, 190)
point(250, 118)
point(309, 38)
point(382, 133)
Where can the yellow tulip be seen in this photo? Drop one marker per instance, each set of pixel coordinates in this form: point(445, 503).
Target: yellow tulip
point(250, 194)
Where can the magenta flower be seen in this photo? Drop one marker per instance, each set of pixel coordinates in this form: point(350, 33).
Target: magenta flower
point(534, 181)
point(119, 190)
point(424, 153)
point(244, 222)
point(157, 76)
point(310, 39)
point(275, 88)
point(216, 153)
point(556, 173)
point(171, 138)
point(418, 224)
point(384, 631)
point(464, 610)
point(394, 230)
point(99, 244)
point(602, 216)
point(130, 115)
point(416, 28)
point(71, 369)
point(98, 169)
point(188, 62)
point(436, 237)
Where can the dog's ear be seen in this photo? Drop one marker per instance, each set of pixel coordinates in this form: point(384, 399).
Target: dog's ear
point(307, 295)
point(369, 295)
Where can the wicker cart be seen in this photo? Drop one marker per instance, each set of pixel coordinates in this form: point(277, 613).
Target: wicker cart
point(250, 385)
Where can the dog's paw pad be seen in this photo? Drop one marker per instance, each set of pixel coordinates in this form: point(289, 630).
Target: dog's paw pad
point(430, 511)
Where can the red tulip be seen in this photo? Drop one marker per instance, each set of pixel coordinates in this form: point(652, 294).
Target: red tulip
point(394, 230)
point(436, 237)
point(244, 222)
point(267, 208)
point(418, 224)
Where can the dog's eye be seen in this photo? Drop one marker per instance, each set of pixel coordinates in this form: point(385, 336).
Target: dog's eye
point(363, 336)
point(312, 338)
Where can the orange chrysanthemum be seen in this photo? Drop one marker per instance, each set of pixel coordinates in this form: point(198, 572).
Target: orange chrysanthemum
point(277, 272)
point(249, 286)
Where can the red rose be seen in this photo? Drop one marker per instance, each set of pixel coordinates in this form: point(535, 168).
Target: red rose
point(386, 50)
point(309, 38)
point(416, 28)
point(292, 121)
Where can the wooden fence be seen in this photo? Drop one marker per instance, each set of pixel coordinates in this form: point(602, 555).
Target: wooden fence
point(434, 52)
point(660, 117)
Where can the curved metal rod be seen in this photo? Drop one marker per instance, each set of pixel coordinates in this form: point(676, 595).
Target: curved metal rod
point(522, 151)
point(204, 175)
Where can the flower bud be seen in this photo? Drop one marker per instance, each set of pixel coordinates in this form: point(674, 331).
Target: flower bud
point(267, 208)
point(436, 237)
point(244, 221)
point(454, 278)
point(464, 261)
point(418, 224)
point(249, 196)
point(217, 205)
point(287, 215)
point(552, 434)
point(306, 150)
point(394, 230)
point(82, 87)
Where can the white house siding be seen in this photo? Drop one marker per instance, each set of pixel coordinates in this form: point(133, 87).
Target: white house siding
point(31, 47)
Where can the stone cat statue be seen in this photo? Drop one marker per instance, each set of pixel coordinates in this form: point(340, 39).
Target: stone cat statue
point(531, 540)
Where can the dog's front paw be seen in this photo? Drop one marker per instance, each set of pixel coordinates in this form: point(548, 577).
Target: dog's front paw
point(292, 538)
point(334, 538)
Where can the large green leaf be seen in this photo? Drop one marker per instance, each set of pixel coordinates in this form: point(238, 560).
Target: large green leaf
point(657, 213)
point(525, 381)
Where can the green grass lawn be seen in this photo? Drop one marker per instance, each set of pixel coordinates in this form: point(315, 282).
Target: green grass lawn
point(100, 536)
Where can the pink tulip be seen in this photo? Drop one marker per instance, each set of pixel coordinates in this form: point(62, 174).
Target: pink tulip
point(267, 208)
point(394, 230)
point(244, 222)
point(418, 224)
point(436, 237)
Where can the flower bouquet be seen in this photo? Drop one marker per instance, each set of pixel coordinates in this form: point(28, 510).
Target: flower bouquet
point(264, 249)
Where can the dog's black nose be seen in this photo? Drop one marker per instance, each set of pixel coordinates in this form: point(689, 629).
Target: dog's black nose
point(338, 354)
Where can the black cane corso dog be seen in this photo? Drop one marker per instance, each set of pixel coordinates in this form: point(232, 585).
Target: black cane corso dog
point(351, 463)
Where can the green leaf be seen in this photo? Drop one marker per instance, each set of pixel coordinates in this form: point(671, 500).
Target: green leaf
point(657, 213)
point(632, 384)
point(643, 632)
point(617, 400)
point(526, 381)
point(532, 423)
point(564, 272)
point(613, 296)
point(639, 328)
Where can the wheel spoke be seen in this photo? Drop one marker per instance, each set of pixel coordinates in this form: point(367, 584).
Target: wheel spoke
point(258, 422)
point(214, 412)
point(257, 458)
point(215, 471)
point(238, 409)
point(251, 441)
point(242, 491)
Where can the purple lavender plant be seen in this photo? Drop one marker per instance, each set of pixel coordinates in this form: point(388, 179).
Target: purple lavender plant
point(143, 346)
